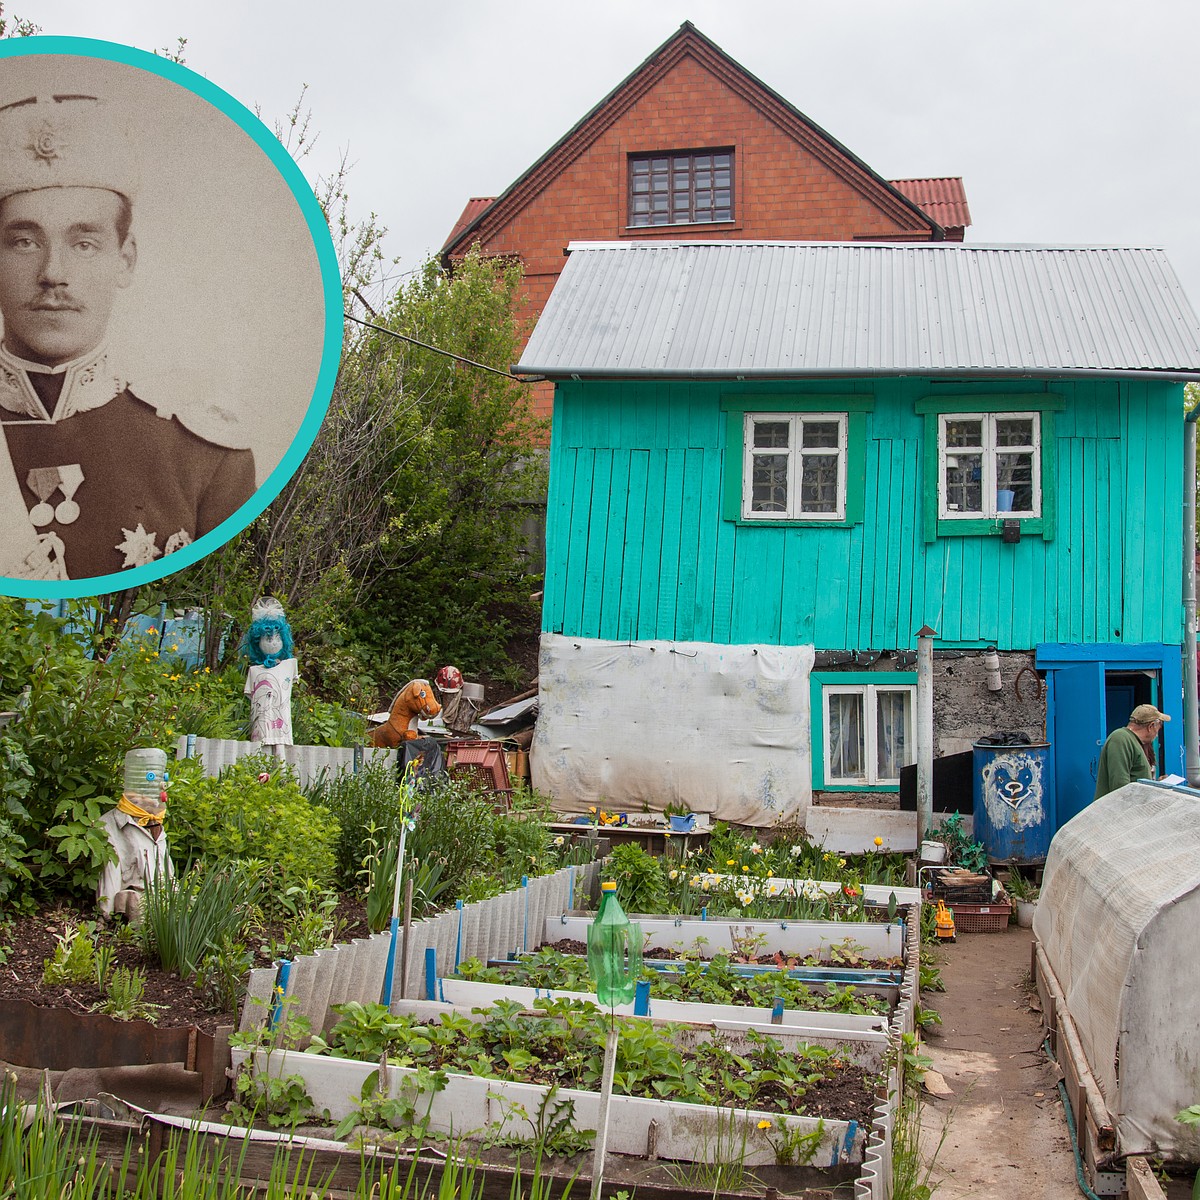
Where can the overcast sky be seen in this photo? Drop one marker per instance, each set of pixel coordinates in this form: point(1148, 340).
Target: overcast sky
point(1071, 121)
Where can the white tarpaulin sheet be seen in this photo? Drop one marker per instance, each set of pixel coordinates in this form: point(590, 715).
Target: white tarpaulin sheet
point(1119, 918)
point(723, 729)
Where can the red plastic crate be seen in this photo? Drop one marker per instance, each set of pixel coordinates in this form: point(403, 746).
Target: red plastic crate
point(980, 918)
point(486, 761)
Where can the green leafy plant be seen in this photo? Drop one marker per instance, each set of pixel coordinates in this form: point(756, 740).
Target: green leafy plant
point(74, 958)
point(552, 1127)
point(640, 879)
point(124, 997)
point(254, 809)
point(375, 1106)
point(793, 1145)
point(1191, 1116)
point(1020, 888)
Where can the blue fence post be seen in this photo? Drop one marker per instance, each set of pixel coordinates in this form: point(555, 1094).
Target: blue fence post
point(525, 934)
point(431, 979)
point(189, 750)
point(641, 998)
point(357, 760)
point(458, 904)
point(281, 982)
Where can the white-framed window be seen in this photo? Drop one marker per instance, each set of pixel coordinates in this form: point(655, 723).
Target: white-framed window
point(794, 466)
point(989, 465)
point(868, 733)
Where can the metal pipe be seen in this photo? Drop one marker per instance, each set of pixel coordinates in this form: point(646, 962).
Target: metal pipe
point(1191, 714)
point(925, 637)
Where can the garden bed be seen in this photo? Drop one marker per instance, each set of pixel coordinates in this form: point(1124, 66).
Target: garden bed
point(685, 1089)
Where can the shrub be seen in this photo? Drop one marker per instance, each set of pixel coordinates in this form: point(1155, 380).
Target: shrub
point(253, 809)
point(83, 705)
point(366, 806)
point(641, 884)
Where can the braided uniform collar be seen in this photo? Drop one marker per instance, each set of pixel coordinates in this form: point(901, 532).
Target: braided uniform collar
point(90, 382)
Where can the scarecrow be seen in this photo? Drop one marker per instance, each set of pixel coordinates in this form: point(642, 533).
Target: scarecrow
point(273, 671)
point(135, 831)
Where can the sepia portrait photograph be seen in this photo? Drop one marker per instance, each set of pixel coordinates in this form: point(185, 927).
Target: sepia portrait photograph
point(163, 298)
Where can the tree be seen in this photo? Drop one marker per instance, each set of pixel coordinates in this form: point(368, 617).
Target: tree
point(11, 27)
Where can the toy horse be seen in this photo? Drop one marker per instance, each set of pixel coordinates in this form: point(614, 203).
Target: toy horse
point(415, 699)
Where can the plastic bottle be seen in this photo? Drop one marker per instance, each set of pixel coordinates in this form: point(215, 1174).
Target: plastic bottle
point(614, 950)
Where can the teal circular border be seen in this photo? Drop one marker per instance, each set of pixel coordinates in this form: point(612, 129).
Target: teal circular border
point(269, 144)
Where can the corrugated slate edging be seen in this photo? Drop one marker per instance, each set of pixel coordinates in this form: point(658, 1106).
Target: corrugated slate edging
point(309, 762)
point(492, 928)
point(875, 1180)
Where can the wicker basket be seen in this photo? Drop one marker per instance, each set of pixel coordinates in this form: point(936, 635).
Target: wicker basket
point(981, 918)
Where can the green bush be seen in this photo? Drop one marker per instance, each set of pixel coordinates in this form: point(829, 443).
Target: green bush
point(254, 809)
point(641, 883)
point(83, 704)
point(366, 805)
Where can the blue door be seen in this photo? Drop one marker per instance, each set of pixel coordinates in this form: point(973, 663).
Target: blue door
point(1079, 732)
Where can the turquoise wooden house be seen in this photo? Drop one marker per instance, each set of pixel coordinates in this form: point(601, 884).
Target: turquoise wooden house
point(772, 463)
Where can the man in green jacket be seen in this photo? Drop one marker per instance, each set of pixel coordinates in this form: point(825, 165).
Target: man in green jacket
point(1128, 753)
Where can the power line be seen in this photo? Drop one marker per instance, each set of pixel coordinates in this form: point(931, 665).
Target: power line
point(470, 362)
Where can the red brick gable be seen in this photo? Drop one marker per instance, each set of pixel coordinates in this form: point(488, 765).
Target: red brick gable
point(711, 97)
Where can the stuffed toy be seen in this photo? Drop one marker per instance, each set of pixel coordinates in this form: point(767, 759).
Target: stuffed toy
point(415, 700)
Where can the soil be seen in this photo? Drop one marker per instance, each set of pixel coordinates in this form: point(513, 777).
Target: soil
point(1006, 1134)
point(28, 942)
point(571, 946)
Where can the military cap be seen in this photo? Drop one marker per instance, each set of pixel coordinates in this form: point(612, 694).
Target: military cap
point(65, 140)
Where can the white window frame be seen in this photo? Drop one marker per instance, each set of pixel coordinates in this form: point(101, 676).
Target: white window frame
point(989, 452)
point(793, 510)
point(870, 693)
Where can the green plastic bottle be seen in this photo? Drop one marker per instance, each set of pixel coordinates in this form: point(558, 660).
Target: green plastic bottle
point(614, 950)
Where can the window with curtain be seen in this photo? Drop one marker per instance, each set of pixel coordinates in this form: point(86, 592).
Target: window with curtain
point(868, 733)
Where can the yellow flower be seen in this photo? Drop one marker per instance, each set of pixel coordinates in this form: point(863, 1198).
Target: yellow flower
point(745, 868)
point(729, 862)
point(709, 870)
point(673, 874)
point(879, 841)
point(558, 841)
point(764, 1124)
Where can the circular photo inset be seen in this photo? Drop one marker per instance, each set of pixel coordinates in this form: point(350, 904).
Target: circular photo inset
point(171, 313)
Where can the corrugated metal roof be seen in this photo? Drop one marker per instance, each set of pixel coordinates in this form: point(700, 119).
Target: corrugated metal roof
point(944, 199)
point(802, 308)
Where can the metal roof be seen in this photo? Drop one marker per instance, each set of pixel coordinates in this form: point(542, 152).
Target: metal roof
point(944, 199)
point(789, 309)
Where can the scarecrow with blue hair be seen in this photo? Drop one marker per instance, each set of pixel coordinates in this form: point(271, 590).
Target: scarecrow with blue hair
point(273, 672)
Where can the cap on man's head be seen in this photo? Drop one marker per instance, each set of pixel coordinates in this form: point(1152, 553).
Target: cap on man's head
point(64, 140)
point(1145, 714)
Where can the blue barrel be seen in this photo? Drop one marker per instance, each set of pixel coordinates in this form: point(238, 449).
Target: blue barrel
point(1014, 802)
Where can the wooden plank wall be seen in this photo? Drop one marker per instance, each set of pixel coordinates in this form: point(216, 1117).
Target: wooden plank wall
point(637, 547)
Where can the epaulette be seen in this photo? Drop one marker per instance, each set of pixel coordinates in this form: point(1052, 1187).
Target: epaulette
point(211, 422)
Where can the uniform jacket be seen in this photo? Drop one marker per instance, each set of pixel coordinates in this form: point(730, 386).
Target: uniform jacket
point(139, 857)
point(132, 484)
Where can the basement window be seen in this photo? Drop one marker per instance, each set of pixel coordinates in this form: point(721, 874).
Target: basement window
point(681, 188)
point(863, 730)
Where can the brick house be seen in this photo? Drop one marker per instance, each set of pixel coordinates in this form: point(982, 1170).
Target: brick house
point(691, 145)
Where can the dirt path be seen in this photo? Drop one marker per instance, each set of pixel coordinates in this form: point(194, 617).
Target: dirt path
point(1007, 1133)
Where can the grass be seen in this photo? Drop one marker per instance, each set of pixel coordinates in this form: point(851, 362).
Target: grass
point(186, 917)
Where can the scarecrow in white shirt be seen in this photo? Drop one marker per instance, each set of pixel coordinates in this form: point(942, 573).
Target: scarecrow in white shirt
point(135, 830)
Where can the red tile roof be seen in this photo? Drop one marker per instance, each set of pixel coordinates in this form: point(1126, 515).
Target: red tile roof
point(945, 200)
point(475, 206)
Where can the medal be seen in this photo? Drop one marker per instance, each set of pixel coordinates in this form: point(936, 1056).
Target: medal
point(69, 479)
point(43, 483)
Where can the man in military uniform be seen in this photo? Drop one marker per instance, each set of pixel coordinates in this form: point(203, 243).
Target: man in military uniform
point(94, 476)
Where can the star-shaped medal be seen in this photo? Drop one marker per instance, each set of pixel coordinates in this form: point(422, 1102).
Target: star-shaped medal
point(138, 547)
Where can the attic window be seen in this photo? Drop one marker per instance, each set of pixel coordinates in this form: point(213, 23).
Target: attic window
point(681, 188)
